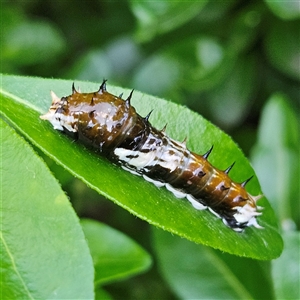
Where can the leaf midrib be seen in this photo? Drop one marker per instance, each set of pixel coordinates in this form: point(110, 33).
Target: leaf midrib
point(13, 263)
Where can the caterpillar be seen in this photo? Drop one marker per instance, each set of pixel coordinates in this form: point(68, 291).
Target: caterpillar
point(111, 125)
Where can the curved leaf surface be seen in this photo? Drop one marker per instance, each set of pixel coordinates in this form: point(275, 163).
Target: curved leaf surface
point(206, 273)
point(44, 254)
point(24, 99)
point(115, 255)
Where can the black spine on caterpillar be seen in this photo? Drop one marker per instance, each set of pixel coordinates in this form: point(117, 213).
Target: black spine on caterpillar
point(111, 125)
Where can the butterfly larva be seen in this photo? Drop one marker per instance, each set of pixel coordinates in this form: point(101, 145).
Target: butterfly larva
point(111, 125)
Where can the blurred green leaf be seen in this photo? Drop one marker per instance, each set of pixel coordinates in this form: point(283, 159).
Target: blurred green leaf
point(215, 11)
point(285, 269)
point(287, 10)
point(25, 98)
point(193, 64)
point(209, 53)
point(276, 158)
point(115, 60)
point(31, 43)
point(43, 250)
point(204, 62)
point(10, 18)
point(91, 65)
point(115, 255)
point(101, 294)
point(156, 18)
point(278, 125)
point(230, 101)
point(198, 272)
point(245, 28)
point(282, 47)
point(157, 75)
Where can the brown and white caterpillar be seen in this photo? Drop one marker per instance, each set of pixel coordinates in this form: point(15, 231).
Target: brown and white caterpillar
point(112, 126)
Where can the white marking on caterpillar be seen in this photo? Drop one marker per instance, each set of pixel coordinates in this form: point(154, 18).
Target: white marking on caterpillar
point(155, 182)
point(196, 204)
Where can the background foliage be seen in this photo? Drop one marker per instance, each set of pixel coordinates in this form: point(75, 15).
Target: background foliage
point(225, 60)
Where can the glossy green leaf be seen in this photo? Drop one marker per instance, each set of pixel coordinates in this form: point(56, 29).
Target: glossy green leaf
point(44, 254)
point(115, 255)
point(24, 99)
point(205, 273)
point(276, 158)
